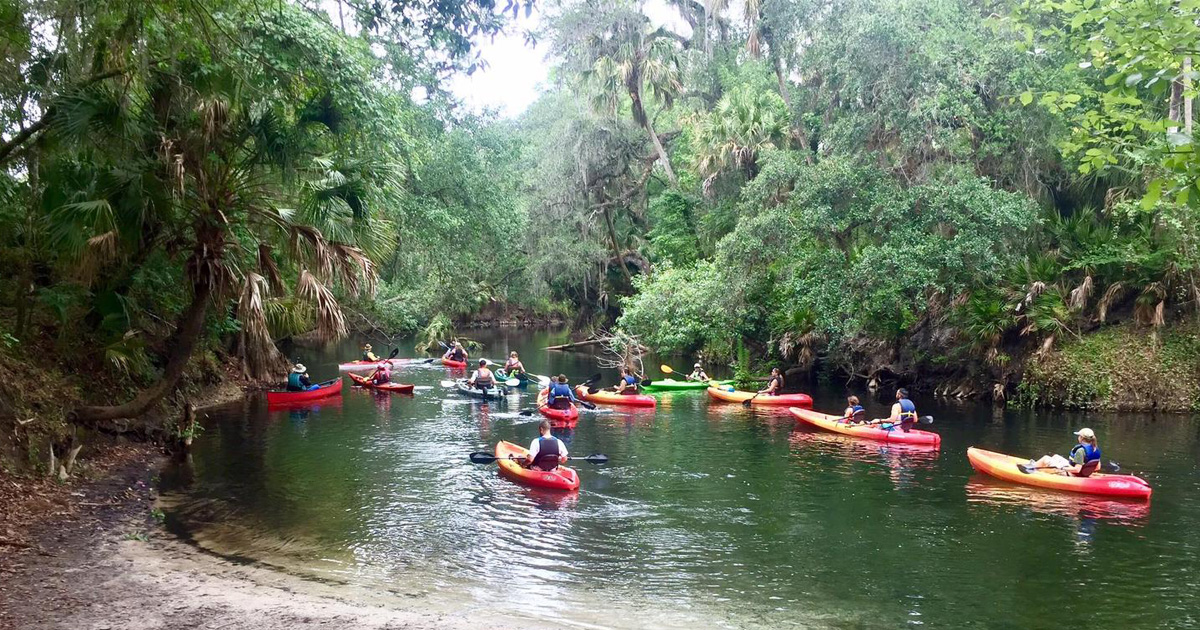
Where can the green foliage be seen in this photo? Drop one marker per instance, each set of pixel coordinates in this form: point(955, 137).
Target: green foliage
point(680, 309)
point(673, 237)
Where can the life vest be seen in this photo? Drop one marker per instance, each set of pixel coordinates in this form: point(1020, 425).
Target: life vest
point(547, 457)
point(383, 375)
point(484, 378)
point(908, 414)
point(559, 390)
point(775, 379)
point(857, 414)
point(1090, 453)
point(367, 355)
point(511, 365)
point(458, 354)
point(294, 383)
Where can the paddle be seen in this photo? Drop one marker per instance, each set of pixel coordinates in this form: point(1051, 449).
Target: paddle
point(1112, 467)
point(582, 403)
point(479, 457)
point(390, 357)
point(746, 403)
point(887, 423)
point(512, 382)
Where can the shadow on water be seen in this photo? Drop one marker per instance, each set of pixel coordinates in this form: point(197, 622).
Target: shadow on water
point(707, 514)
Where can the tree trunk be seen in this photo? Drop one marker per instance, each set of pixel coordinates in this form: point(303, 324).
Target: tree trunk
point(181, 344)
point(1187, 98)
point(639, 115)
point(616, 248)
point(1174, 104)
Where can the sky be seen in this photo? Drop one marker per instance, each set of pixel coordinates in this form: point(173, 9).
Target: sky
point(517, 73)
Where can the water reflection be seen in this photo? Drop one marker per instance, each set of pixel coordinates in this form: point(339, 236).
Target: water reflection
point(985, 491)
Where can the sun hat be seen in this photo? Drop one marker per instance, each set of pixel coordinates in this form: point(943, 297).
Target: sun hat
point(366, 346)
point(299, 369)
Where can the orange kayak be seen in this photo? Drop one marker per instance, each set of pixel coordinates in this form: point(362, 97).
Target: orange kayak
point(561, 478)
point(613, 398)
point(561, 418)
point(795, 400)
point(1004, 467)
point(867, 432)
point(399, 388)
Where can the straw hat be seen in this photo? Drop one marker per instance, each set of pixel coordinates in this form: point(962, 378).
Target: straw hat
point(299, 369)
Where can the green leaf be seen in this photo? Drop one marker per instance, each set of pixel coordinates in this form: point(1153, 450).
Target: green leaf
point(1153, 194)
point(1026, 97)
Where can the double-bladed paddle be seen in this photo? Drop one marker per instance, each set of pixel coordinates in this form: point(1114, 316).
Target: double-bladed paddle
point(479, 457)
point(1112, 467)
point(886, 423)
point(390, 357)
point(582, 403)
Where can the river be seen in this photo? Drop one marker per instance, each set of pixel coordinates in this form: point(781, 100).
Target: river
point(707, 515)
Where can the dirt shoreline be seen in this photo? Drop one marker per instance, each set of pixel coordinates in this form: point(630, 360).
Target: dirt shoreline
point(109, 564)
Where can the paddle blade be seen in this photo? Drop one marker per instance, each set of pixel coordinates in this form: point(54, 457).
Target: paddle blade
point(926, 419)
point(447, 383)
point(513, 382)
point(647, 382)
point(585, 404)
point(596, 458)
point(395, 352)
point(543, 381)
point(479, 457)
point(666, 369)
point(525, 412)
point(1113, 467)
point(595, 377)
point(1026, 468)
point(427, 361)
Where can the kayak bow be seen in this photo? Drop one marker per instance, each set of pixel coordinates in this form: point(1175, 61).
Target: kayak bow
point(865, 431)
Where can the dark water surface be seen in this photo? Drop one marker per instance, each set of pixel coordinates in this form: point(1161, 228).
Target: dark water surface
point(708, 515)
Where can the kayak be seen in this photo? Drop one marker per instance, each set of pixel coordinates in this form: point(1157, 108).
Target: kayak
point(867, 432)
point(370, 365)
point(562, 478)
point(794, 400)
point(1005, 467)
point(280, 398)
point(613, 398)
point(451, 363)
point(399, 388)
point(670, 384)
point(523, 377)
point(561, 418)
point(491, 393)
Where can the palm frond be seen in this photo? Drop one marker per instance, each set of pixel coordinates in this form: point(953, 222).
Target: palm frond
point(331, 324)
point(260, 359)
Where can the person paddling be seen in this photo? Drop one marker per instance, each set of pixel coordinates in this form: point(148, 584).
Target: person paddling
point(482, 378)
point(559, 395)
point(775, 385)
point(546, 452)
point(383, 374)
point(697, 374)
point(904, 413)
point(456, 353)
point(1082, 461)
point(854, 413)
point(367, 355)
point(513, 368)
point(298, 379)
point(628, 384)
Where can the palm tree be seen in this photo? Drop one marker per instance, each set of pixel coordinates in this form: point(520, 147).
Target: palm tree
point(744, 123)
point(619, 55)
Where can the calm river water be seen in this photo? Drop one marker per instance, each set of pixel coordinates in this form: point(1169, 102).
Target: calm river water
point(708, 514)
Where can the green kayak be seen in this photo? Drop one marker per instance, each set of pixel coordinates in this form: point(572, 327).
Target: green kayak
point(670, 385)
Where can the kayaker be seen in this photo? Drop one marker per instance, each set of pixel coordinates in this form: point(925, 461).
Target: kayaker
point(482, 378)
point(513, 366)
point(1082, 461)
point(546, 452)
point(456, 353)
point(559, 395)
point(904, 412)
point(383, 374)
point(367, 355)
point(697, 374)
point(298, 380)
point(628, 384)
point(775, 385)
point(854, 413)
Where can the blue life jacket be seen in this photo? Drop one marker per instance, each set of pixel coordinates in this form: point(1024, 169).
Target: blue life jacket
point(547, 457)
point(294, 384)
point(908, 414)
point(1090, 453)
point(630, 380)
point(559, 390)
point(857, 414)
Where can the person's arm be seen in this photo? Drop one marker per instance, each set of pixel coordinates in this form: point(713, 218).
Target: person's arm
point(562, 452)
point(895, 417)
point(533, 451)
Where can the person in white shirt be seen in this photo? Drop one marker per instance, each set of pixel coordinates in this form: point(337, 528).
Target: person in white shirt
point(546, 452)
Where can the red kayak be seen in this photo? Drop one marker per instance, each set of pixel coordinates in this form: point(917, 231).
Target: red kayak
point(451, 363)
point(613, 398)
point(559, 418)
point(865, 431)
point(399, 388)
point(508, 455)
point(332, 388)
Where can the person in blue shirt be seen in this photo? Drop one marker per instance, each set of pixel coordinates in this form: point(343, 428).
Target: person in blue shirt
point(628, 383)
point(559, 395)
point(298, 380)
point(1083, 459)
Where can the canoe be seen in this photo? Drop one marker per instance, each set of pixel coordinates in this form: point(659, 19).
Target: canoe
point(334, 388)
point(399, 388)
point(562, 478)
point(613, 398)
point(370, 365)
point(450, 363)
point(792, 400)
point(491, 393)
point(866, 432)
point(561, 418)
point(670, 385)
point(1004, 467)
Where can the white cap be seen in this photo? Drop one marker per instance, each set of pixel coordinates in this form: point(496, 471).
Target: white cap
point(1086, 434)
